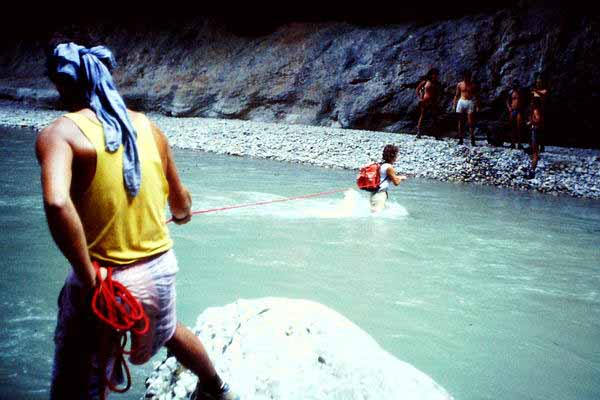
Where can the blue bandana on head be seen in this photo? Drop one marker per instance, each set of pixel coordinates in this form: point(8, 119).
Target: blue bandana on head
point(89, 68)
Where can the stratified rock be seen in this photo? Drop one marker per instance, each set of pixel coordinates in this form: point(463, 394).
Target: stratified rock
point(286, 349)
point(342, 74)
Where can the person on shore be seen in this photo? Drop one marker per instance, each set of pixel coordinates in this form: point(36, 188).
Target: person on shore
point(540, 93)
point(515, 105)
point(466, 101)
point(428, 94)
point(536, 127)
point(387, 174)
point(107, 175)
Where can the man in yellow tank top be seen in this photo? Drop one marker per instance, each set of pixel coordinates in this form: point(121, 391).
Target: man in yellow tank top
point(107, 176)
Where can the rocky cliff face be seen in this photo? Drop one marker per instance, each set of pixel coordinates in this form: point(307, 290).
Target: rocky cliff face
point(342, 74)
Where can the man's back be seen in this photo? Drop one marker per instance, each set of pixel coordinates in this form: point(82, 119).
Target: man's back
point(431, 90)
point(119, 229)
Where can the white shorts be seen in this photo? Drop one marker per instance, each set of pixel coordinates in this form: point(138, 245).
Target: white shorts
point(378, 201)
point(77, 371)
point(465, 106)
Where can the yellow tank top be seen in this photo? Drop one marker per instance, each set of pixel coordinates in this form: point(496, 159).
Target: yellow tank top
point(120, 229)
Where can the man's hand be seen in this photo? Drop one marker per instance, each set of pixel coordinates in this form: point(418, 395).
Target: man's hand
point(88, 278)
point(183, 220)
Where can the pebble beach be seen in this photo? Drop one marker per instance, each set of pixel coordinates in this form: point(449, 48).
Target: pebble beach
point(561, 171)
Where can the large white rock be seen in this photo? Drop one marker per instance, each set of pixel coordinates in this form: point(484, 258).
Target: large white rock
point(276, 348)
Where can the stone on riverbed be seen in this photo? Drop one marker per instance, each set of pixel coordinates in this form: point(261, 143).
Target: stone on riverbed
point(277, 348)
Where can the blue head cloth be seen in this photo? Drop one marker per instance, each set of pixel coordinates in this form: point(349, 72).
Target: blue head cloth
point(88, 67)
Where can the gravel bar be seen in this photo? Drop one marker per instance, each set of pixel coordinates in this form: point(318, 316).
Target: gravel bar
point(570, 171)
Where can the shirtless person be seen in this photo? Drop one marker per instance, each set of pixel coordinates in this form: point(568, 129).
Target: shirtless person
point(428, 92)
point(540, 93)
point(466, 101)
point(536, 123)
point(515, 105)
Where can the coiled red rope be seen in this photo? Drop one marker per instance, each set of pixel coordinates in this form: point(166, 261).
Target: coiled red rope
point(114, 305)
point(262, 203)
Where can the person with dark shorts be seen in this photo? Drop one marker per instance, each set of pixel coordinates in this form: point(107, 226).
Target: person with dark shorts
point(428, 95)
point(515, 105)
point(540, 93)
point(536, 127)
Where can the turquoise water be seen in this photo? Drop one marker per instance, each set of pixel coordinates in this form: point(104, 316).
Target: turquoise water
point(493, 293)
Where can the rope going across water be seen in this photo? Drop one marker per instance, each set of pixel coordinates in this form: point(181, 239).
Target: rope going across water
point(262, 203)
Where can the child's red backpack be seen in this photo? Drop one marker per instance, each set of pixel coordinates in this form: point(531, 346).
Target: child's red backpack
point(369, 177)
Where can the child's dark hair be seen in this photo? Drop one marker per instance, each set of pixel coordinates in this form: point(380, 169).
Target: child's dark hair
point(431, 72)
point(467, 74)
point(389, 153)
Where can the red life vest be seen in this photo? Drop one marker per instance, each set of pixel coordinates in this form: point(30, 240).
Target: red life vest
point(369, 177)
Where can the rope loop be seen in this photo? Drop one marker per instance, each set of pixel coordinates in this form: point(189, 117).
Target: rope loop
point(114, 305)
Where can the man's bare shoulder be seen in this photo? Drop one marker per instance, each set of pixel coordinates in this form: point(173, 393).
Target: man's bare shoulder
point(55, 136)
point(136, 114)
point(61, 129)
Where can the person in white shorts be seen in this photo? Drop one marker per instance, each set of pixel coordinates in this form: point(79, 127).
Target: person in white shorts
point(388, 174)
point(466, 102)
point(105, 208)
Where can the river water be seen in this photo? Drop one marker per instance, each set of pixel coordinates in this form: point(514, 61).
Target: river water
point(494, 293)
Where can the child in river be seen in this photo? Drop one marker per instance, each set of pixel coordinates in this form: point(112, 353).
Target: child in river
point(387, 173)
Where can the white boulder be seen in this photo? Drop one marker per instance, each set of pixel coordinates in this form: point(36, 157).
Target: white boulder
point(277, 348)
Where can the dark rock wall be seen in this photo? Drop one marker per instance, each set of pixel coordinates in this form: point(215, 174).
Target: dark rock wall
point(342, 73)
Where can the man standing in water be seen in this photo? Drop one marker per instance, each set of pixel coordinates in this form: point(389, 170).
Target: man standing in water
point(387, 174)
point(466, 102)
point(107, 175)
point(427, 92)
point(515, 105)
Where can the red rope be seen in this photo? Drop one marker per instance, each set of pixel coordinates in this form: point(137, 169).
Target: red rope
point(262, 203)
point(114, 305)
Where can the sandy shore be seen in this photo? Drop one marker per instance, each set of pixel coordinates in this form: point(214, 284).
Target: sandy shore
point(570, 171)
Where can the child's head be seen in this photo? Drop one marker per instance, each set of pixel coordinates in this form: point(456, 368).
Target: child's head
point(467, 75)
point(433, 74)
point(390, 152)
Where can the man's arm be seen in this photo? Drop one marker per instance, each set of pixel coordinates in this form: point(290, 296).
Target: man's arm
point(55, 157)
point(456, 97)
point(419, 88)
point(180, 201)
point(396, 179)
